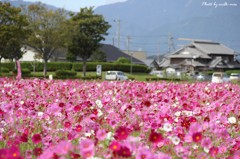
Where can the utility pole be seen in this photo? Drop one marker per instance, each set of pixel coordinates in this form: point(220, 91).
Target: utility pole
point(170, 43)
point(113, 41)
point(128, 51)
point(118, 32)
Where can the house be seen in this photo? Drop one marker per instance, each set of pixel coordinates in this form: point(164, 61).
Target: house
point(112, 54)
point(200, 56)
point(140, 55)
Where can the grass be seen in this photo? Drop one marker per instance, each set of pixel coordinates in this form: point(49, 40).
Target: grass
point(135, 76)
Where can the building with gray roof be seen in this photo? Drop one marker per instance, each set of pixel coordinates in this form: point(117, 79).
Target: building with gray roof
point(201, 56)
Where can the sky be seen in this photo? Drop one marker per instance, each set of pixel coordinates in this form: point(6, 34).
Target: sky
point(75, 5)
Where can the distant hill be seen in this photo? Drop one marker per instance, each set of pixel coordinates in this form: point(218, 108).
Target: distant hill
point(148, 22)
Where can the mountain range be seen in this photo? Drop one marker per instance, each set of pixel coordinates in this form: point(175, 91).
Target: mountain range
point(150, 22)
point(155, 26)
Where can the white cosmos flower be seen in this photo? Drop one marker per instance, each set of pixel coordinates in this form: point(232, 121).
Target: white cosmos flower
point(195, 146)
point(99, 103)
point(88, 134)
point(167, 127)
point(206, 149)
point(21, 102)
point(177, 113)
point(232, 120)
point(40, 114)
point(175, 140)
point(109, 136)
point(99, 113)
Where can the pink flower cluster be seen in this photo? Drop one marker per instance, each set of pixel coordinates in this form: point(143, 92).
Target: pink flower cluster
point(76, 119)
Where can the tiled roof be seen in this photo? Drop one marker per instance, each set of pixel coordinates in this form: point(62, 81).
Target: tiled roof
point(113, 53)
point(213, 48)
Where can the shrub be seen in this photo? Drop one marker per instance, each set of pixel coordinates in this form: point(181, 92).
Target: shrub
point(65, 73)
point(4, 70)
point(25, 72)
point(228, 72)
point(163, 79)
point(123, 60)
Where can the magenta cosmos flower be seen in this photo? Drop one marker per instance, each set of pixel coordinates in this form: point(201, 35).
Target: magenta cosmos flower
point(36, 138)
point(155, 137)
point(122, 133)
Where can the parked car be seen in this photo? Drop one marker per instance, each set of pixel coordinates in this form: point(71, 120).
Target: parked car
point(219, 77)
point(201, 77)
point(115, 75)
point(234, 77)
point(158, 73)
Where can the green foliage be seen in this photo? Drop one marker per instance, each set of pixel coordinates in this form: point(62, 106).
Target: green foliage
point(162, 79)
point(25, 71)
point(65, 73)
point(91, 66)
point(232, 71)
point(4, 70)
point(98, 56)
point(53, 66)
point(88, 30)
point(13, 31)
point(49, 30)
point(106, 66)
point(123, 60)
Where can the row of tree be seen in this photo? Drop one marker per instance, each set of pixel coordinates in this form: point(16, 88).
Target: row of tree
point(47, 30)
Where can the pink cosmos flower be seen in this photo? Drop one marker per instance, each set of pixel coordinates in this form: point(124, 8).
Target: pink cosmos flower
point(155, 137)
point(197, 137)
point(67, 124)
point(143, 153)
point(122, 133)
point(63, 147)
point(78, 128)
point(163, 156)
point(115, 146)
point(195, 127)
point(101, 135)
point(213, 151)
point(87, 153)
point(206, 142)
point(124, 152)
point(86, 144)
point(37, 151)
point(36, 138)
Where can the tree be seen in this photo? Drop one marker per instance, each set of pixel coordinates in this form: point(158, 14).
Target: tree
point(123, 60)
point(13, 31)
point(88, 30)
point(98, 56)
point(48, 28)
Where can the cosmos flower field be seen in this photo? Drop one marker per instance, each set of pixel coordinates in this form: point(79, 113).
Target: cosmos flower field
point(112, 120)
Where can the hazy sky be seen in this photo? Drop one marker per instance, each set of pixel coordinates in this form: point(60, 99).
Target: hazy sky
point(75, 5)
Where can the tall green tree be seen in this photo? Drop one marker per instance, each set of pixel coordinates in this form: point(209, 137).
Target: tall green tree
point(13, 31)
point(98, 56)
point(88, 31)
point(48, 30)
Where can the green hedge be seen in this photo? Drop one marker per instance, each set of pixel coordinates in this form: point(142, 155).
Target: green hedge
point(65, 73)
point(25, 71)
point(232, 71)
point(106, 66)
point(4, 70)
point(91, 66)
point(163, 79)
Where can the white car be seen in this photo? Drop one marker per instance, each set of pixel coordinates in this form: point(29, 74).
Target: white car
point(115, 75)
point(219, 77)
point(234, 77)
point(201, 77)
